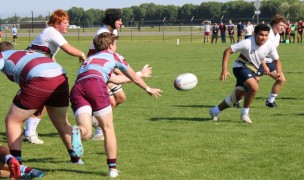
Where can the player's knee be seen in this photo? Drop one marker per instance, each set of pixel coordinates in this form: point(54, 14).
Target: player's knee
point(282, 80)
point(119, 99)
point(86, 133)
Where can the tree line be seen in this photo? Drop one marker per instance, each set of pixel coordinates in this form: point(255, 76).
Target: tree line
point(153, 14)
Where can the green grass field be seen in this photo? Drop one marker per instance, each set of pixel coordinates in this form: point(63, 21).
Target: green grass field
point(172, 137)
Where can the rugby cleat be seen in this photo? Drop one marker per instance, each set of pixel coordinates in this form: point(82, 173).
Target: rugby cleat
point(29, 173)
point(113, 173)
point(269, 104)
point(14, 167)
point(245, 118)
point(76, 141)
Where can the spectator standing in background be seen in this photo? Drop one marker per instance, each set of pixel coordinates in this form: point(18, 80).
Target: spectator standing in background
point(287, 32)
point(222, 28)
point(0, 33)
point(14, 34)
point(248, 30)
point(300, 31)
point(207, 25)
point(240, 28)
point(293, 29)
point(230, 29)
point(215, 30)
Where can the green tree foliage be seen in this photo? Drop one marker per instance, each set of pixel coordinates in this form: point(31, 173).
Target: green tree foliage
point(152, 14)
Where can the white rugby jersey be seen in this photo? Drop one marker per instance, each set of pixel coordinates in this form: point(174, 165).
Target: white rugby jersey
point(102, 29)
point(49, 40)
point(254, 53)
point(275, 39)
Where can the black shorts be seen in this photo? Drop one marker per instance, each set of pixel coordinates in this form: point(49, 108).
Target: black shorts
point(242, 74)
point(271, 67)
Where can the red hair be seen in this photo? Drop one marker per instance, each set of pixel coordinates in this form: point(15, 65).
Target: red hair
point(57, 17)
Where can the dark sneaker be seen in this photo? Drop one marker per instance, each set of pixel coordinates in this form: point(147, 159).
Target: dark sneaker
point(14, 167)
point(271, 104)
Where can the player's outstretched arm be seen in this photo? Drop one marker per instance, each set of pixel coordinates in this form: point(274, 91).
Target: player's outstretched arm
point(71, 50)
point(141, 83)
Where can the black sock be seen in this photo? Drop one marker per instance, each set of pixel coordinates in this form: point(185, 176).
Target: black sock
point(17, 155)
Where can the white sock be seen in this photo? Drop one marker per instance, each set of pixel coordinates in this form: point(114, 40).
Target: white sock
point(245, 111)
point(216, 110)
point(7, 157)
point(98, 131)
point(272, 97)
point(31, 126)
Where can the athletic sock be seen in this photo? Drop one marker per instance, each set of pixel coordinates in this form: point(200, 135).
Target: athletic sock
point(216, 110)
point(272, 97)
point(245, 111)
point(111, 163)
point(31, 125)
point(17, 155)
point(25, 169)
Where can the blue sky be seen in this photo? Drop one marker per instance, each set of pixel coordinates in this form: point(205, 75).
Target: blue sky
point(44, 7)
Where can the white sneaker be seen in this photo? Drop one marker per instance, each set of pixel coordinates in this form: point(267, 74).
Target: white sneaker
point(113, 173)
point(33, 139)
point(214, 116)
point(245, 118)
point(98, 137)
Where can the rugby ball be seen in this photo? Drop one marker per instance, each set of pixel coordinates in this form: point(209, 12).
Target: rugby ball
point(185, 82)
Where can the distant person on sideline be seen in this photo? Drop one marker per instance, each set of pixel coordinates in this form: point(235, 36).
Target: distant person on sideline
point(248, 30)
point(240, 29)
point(222, 28)
point(207, 25)
point(14, 34)
point(215, 29)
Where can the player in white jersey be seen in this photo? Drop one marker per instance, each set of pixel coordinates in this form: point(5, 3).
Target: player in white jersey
point(253, 51)
point(277, 27)
point(111, 23)
point(49, 42)
point(42, 82)
point(95, 73)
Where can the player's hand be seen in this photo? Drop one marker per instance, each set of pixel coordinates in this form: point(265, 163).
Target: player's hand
point(278, 76)
point(154, 92)
point(146, 71)
point(82, 58)
point(266, 70)
point(224, 75)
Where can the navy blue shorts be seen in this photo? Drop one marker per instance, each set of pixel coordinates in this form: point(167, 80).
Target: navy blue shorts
point(242, 74)
point(271, 67)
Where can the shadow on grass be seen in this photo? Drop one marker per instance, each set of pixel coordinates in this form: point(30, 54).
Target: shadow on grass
point(51, 160)
point(282, 98)
point(194, 106)
point(76, 171)
point(290, 72)
point(179, 118)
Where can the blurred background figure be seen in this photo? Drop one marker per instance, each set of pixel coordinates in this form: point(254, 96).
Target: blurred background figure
point(215, 30)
